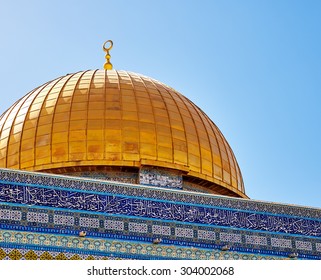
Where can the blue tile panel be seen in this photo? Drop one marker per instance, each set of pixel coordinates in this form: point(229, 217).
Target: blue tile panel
point(40, 203)
point(156, 209)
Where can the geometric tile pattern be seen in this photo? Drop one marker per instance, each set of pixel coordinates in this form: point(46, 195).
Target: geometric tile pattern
point(281, 242)
point(231, 237)
point(303, 245)
point(256, 240)
point(20, 254)
point(137, 227)
point(184, 232)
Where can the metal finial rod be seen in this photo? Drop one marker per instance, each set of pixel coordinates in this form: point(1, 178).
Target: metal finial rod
point(108, 65)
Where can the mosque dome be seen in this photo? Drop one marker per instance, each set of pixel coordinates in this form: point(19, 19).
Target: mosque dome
point(103, 119)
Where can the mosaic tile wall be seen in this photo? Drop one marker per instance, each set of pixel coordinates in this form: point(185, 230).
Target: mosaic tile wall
point(24, 245)
point(46, 204)
point(45, 220)
point(156, 209)
point(160, 177)
point(28, 254)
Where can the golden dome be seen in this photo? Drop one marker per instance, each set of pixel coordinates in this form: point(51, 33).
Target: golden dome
point(116, 118)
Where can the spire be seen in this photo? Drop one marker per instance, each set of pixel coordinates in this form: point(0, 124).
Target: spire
point(108, 65)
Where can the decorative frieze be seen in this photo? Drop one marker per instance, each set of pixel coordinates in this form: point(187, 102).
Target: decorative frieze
point(156, 209)
point(72, 247)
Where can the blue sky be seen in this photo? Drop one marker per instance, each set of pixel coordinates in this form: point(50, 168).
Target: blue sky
point(253, 66)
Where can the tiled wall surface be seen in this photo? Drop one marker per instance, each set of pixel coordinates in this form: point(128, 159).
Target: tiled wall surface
point(25, 245)
point(55, 206)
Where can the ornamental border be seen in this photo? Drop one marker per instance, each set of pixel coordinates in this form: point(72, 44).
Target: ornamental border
point(117, 248)
point(109, 204)
point(52, 180)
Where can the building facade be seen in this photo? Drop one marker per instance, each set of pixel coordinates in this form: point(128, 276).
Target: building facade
point(106, 164)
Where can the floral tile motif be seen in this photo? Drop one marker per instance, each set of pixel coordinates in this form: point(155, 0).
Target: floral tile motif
point(89, 248)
